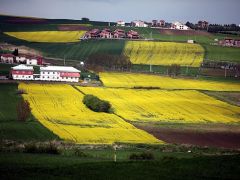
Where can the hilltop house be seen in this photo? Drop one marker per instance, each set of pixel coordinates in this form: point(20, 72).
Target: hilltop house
point(179, 26)
point(202, 24)
point(156, 23)
point(139, 23)
point(121, 23)
point(22, 72)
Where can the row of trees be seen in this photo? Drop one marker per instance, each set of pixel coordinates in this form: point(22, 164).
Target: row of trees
point(215, 28)
point(100, 62)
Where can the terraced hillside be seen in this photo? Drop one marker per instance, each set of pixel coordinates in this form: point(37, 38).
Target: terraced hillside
point(48, 36)
point(164, 53)
point(60, 109)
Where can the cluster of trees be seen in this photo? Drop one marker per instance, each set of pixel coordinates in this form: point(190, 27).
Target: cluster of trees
point(100, 62)
point(96, 104)
point(215, 28)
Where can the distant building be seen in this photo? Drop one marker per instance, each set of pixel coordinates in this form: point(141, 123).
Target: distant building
point(138, 23)
point(22, 72)
point(119, 33)
point(190, 41)
point(179, 26)
point(229, 42)
point(7, 58)
point(154, 23)
point(59, 73)
point(105, 33)
point(202, 24)
point(94, 33)
point(121, 23)
point(133, 35)
point(161, 23)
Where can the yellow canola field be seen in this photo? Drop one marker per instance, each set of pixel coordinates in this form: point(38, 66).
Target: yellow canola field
point(164, 53)
point(60, 109)
point(178, 106)
point(131, 80)
point(48, 36)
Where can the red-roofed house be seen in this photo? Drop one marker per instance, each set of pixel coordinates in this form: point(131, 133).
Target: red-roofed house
point(7, 58)
point(133, 35)
point(22, 72)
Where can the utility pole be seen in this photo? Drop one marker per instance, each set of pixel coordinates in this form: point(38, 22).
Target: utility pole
point(187, 70)
point(225, 72)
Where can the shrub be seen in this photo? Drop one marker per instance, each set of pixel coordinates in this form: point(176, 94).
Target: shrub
point(141, 156)
point(49, 148)
point(96, 104)
point(23, 110)
point(174, 69)
point(79, 153)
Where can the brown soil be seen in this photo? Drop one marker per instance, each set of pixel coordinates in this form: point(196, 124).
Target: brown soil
point(218, 72)
point(183, 32)
point(230, 97)
point(209, 138)
point(21, 49)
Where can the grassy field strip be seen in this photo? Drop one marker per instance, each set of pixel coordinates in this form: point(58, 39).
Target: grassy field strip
point(164, 53)
point(60, 109)
point(10, 127)
point(131, 80)
point(184, 106)
point(48, 36)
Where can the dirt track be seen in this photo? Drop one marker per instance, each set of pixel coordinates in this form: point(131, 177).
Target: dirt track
point(183, 33)
point(224, 139)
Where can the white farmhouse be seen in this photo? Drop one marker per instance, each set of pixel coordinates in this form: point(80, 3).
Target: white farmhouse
point(21, 59)
point(139, 23)
point(121, 23)
point(22, 72)
point(59, 73)
point(7, 58)
point(179, 26)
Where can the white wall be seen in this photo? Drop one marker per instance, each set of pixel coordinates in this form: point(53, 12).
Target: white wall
point(55, 76)
point(22, 77)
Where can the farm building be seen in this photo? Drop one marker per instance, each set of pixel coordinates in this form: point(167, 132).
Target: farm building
point(229, 42)
point(179, 26)
point(22, 72)
point(7, 58)
point(59, 73)
point(121, 23)
point(139, 23)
